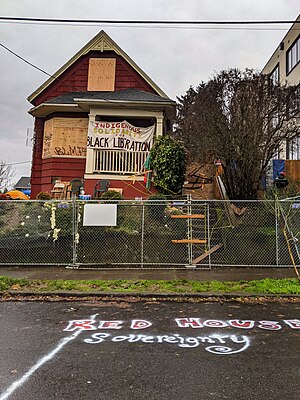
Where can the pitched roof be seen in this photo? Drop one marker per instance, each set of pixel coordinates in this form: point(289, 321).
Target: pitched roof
point(23, 183)
point(82, 101)
point(101, 42)
point(131, 94)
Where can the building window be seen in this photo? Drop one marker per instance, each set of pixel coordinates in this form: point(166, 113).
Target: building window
point(274, 76)
point(294, 103)
point(277, 153)
point(294, 149)
point(293, 55)
point(274, 122)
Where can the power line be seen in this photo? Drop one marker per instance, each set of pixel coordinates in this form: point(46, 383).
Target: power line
point(18, 163)
point(144, 22)
point(159, 26)
point(27, 62)
point(41, 70)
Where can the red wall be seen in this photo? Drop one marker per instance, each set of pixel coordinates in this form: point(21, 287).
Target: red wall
point(36, 169)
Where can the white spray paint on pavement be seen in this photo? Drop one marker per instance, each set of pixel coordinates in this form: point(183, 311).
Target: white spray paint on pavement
point(14, 386)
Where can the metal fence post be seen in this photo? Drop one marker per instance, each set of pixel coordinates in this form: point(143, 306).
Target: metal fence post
point(190, 231)
point(276, 233)
point(75, 230)
point(142, 233)
point(208, 234)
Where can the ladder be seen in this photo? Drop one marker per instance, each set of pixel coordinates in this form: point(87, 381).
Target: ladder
point(197, 225)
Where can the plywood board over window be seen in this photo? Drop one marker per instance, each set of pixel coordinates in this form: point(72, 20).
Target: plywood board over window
point(48, 136)
point(65, 137)
point(102, 74)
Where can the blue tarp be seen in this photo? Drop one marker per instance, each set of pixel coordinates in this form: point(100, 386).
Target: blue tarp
point(278, 166)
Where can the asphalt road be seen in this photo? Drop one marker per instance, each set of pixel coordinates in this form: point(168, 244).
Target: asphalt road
point(149, 350)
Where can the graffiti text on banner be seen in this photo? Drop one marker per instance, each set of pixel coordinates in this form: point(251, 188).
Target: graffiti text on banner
point(120, 136)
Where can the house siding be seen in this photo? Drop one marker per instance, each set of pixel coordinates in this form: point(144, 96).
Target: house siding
point(36, 169)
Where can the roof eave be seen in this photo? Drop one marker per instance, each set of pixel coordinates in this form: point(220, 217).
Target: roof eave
point(124, 102)
point(86, 104)
point(44, 109)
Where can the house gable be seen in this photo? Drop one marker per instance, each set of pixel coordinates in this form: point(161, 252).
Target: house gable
point(73, 75)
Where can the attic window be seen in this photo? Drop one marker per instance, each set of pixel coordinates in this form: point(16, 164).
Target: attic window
point(102, 74)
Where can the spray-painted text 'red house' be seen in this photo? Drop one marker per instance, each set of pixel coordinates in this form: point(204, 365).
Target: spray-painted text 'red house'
point(96, 119)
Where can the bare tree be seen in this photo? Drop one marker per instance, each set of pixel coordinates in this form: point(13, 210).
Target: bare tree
point(240, 118)
point(6, 175)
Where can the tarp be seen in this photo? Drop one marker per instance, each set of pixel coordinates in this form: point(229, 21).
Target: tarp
point(17, 195)
point(278, 166)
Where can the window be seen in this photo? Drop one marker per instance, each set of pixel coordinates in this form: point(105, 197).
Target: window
point(274, 120)
point(274, 76)
point(277, 153)
point(294, 103)
point(294, 149)
point(293, 55)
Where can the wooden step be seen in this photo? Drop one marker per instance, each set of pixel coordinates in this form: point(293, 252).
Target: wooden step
point(188, 216)
point(196, 241)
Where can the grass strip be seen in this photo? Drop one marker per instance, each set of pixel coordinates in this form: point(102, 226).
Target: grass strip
point(264, 286)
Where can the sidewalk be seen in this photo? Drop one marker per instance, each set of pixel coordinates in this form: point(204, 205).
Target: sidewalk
point(216, 274)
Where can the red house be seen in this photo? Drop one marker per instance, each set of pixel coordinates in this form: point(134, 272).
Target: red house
point(96, 119)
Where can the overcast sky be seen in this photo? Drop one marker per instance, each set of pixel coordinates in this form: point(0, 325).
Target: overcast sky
point(175, 58)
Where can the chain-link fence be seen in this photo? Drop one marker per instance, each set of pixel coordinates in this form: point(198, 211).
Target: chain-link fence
point(151, 234)
point(34, 232)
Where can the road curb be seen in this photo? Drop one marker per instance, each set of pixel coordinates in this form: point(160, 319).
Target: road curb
point(209, 296)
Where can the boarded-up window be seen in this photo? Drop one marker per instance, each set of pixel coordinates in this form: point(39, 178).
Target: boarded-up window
point(48, 136)
point(65, 137)
point(102, 74)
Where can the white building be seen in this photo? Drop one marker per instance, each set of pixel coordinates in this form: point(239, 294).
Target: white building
point(284, 68)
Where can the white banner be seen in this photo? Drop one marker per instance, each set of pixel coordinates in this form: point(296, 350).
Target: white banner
point(119, 136)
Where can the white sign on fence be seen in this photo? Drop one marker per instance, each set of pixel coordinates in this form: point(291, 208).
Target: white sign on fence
point(100, 215)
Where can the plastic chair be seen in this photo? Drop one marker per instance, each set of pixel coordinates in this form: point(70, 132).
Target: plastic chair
point(74, 187)
point(101, 187)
